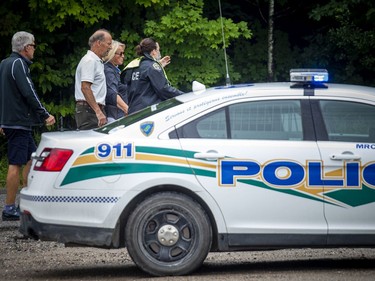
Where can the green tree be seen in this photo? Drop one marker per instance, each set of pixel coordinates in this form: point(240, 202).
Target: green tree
point(62, 29)
point(194, 42)
point(347, 42)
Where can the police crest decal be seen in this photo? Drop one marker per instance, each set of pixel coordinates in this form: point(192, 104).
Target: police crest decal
point(147, 128)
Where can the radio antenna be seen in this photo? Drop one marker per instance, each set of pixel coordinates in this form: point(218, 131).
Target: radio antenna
point(227, 79)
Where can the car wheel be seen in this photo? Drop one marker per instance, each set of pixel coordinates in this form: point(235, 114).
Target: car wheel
point(168, 234)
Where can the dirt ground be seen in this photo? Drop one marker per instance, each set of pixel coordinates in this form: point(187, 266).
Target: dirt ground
point(26, 259)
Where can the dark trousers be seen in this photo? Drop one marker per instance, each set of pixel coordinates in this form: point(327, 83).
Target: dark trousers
point(85, 117)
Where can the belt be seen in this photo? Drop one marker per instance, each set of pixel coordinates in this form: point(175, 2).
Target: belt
point(85, 103)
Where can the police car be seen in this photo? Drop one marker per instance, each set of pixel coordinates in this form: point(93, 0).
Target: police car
point(237, 167)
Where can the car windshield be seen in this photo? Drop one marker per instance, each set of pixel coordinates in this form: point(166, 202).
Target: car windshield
point(139, 115)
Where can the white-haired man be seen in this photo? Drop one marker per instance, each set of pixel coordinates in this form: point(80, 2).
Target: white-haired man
point(20, 109)
point(90, 84)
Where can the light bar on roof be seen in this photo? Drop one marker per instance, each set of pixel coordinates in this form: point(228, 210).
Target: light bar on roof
point(308, 75)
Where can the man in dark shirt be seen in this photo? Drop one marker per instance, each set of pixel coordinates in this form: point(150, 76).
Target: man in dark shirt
point(20, 109)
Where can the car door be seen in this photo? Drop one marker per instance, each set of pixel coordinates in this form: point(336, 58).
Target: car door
point(252, 158)
point(347, 146)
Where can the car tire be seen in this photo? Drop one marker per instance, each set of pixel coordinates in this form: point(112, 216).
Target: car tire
point(168, 234)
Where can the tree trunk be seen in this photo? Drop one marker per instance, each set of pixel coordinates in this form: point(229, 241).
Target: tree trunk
point(270, 73)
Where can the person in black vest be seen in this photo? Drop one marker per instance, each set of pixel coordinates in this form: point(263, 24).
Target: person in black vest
point(146, 80)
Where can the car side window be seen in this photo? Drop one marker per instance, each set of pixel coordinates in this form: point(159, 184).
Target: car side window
point(213, 126)
point(348, 121)
point(268, 120)
point(210, 126)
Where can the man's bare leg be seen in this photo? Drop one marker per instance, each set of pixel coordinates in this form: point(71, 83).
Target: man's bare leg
point(25, 173)
point(12, 183)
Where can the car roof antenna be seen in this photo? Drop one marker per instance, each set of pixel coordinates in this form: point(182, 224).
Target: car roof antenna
point(227, 78)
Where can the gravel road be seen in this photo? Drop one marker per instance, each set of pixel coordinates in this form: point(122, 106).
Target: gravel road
point(26, 259)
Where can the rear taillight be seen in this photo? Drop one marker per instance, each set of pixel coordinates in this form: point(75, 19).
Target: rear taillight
point(52, 159)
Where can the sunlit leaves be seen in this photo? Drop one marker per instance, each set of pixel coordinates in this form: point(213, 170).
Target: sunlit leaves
point(149, 3)
point(55, 13)
point(196, 41)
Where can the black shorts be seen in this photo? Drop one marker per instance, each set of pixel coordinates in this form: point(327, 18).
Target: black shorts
point(20, 146)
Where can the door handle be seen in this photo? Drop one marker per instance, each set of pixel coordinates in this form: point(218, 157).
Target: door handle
point(209, 155)
point(345, 156)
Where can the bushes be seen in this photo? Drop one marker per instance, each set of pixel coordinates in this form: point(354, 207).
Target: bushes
point(3, 161)
point(3, 170)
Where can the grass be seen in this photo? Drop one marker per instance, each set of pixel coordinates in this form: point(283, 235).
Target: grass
point(3, 161)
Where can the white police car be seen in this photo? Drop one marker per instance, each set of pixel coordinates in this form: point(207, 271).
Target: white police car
point(258, 166)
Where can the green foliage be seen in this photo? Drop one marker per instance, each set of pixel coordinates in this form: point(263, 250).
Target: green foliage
point(250, 57)
point(193, 42)
point(63, 110)
point(149, 3)
point(342, 39)
point(3, 171)
point(55, 13)
point(350, 39)
point(62, 29)
point(3, 160)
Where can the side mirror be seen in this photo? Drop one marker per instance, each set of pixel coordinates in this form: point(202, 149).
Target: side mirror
point(197, 87)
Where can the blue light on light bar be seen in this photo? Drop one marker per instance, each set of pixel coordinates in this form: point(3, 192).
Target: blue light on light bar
point(309, 75)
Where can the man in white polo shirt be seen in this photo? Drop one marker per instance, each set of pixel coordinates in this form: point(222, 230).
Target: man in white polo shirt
point(90, 83)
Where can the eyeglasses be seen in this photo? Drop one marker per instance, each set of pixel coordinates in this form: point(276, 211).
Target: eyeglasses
point(120, 54)
point(33, 45)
